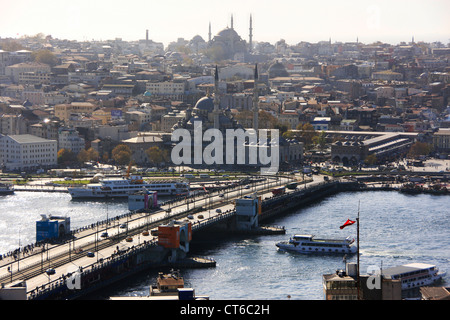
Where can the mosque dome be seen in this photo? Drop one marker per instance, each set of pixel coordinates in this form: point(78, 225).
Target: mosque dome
point(196, 39)
point(228, 33)
point(277, 69)
point(205, 103)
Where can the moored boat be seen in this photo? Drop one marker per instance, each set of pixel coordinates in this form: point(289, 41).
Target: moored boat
point(167, 284)
point(414, 275)
point(309, 244)
point(122, 187)
point(6, 188)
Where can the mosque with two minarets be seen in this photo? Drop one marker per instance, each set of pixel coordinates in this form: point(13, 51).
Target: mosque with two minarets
point(207, 110)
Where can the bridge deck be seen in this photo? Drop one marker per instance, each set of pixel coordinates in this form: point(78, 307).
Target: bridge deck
point(70, 256)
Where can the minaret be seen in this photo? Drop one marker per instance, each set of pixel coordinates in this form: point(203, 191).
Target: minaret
point(216, 100)
point(232, 37)
point(250, 36)
point(255, 101)
point(209, 33)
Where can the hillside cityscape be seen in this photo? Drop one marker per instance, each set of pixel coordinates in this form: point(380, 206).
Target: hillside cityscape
point(87, 124)
point(90, 97)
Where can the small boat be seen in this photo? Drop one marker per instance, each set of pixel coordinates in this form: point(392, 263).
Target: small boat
point(309, 244)
point(6, 188)
point(167, 284)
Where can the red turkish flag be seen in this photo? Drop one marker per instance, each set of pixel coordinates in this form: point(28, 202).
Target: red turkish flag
point(347, 223)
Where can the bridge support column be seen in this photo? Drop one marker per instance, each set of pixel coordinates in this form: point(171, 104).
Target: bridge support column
point(247, 210)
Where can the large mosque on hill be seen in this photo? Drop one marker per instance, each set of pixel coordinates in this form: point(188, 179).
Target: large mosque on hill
point(229, 41)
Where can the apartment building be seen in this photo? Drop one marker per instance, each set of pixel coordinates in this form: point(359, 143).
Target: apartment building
point(63, 111)
point(173, 90)
point(15, 70)
point(69, 139)
point(27, 152)
point(12, 124)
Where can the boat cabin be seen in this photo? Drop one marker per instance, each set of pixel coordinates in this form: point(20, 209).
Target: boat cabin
point(167, 283)
point(303, 237)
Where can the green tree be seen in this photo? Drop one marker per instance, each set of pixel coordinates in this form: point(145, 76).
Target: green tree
point(320, 140)
point(289, 134)
point(92, 154)
point(121, 154)
point(155, 155)
point(65, 156)
point(281, 127)
point(215, 53)
point(419, 149)
point(371, 159)
point(11, 45)
point(306, 134)
point(82, 156)
point(45, 56)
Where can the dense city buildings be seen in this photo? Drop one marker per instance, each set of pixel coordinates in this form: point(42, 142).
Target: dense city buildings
point(372, 101)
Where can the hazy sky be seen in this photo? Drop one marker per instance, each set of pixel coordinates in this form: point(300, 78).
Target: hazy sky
point(389, 21)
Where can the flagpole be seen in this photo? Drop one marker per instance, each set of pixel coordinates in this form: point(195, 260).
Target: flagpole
point(358, 285)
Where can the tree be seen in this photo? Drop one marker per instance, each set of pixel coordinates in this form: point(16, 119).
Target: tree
point(92, 154)
point(306, 134)
point(154, 155)
point(82, 156)
point(281, 127)
point(371, 159)
point(320, 140)
point(45, 56)
point(66, 156)
point(289, 135)
point(11, 45)
point(121, 154)
point(419, 149)
point(215, 53)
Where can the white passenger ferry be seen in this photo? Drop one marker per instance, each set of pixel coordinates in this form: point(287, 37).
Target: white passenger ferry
point(309, 244)
point(414, 275)
point(122, 187)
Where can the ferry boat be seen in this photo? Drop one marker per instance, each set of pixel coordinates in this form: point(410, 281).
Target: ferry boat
point(167, 284)
point(6, 188)
point(122, 187)
point(309, 244)
point(414, 275)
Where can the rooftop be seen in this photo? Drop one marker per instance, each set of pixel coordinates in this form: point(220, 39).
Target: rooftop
point(28, 138)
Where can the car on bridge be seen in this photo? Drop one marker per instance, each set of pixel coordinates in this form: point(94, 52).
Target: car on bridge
point(90, 254)
point(50, 271)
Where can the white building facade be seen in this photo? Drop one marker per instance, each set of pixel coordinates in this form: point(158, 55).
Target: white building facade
point(27, 152)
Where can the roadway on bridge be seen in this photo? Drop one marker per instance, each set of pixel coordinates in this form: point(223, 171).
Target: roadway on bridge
point(70, 256)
